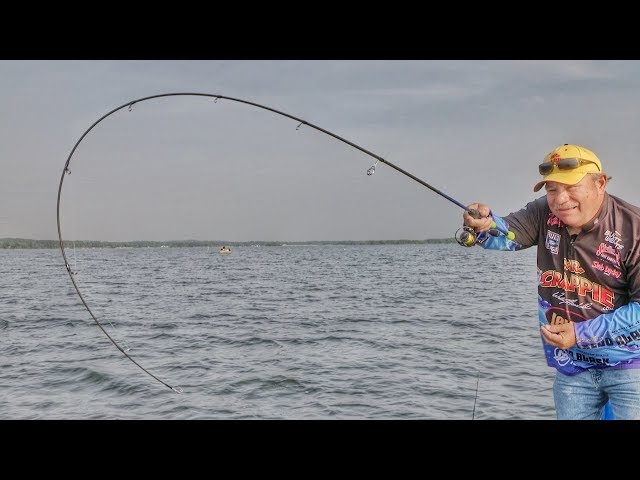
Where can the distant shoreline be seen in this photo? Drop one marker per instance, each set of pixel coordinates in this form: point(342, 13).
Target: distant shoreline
point(26, 243)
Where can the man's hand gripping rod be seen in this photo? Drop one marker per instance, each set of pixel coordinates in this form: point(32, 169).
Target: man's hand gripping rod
point(468, 237)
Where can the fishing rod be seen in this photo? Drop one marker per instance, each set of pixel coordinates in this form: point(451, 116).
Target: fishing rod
point(466, 237)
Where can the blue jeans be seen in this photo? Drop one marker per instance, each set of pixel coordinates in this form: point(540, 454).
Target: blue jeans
point(583, 396)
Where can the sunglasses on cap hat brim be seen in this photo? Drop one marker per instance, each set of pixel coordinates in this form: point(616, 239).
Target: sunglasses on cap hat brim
point(564, 164)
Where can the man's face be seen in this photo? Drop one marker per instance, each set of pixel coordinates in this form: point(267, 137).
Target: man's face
point(576, 204)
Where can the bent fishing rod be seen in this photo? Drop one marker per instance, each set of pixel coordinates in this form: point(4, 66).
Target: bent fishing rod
point(466, 236)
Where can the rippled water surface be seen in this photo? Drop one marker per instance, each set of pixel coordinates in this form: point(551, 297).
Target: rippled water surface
point(287, 332)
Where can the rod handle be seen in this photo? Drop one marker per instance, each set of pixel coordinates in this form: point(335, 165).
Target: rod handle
point(494, 228)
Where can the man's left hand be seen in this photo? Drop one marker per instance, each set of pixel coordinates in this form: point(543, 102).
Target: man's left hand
point(561, 336)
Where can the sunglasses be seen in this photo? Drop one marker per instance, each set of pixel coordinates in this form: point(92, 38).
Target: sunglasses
point(564, 164)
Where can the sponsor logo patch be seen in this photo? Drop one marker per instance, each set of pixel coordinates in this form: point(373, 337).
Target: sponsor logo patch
point(552, 242)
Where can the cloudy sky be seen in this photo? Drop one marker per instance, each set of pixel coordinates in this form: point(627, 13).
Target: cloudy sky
point(189, 167)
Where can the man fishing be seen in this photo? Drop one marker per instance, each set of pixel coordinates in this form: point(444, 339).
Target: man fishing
point(588, 259)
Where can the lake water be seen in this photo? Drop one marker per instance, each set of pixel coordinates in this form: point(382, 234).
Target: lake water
point(433, 331)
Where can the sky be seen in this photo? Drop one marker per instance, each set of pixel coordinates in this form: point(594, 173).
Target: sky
point(188, 167)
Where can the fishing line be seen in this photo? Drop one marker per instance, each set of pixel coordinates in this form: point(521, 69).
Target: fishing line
point(74, 223)
point(473, 414)
point(76, 269)
point(467, 237)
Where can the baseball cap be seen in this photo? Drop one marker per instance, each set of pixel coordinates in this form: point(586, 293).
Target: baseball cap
point(568, 164)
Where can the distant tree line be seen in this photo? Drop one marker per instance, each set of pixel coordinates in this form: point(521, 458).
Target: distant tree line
point(30, 243)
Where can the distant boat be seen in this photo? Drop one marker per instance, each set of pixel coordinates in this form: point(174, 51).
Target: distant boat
point(224, 250)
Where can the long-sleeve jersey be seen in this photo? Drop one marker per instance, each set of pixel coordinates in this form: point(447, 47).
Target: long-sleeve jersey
point(591, 278)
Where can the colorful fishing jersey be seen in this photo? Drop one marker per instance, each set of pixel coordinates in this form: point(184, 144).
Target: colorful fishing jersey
point(591, 278)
